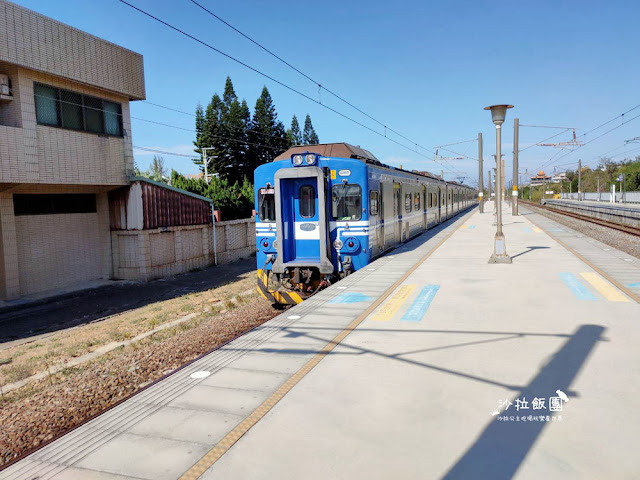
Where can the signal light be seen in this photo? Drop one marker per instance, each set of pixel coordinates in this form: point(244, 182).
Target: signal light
point(351, 244)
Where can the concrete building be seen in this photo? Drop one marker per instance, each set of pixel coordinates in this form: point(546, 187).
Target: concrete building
point(65, 143)
point(540, 179)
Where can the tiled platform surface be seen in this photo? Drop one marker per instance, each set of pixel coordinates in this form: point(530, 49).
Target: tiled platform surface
point(409, 393)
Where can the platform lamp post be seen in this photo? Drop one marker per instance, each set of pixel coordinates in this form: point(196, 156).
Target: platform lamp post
point(498, 114)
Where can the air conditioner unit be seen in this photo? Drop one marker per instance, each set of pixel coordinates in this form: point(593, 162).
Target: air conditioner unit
point(5, 90)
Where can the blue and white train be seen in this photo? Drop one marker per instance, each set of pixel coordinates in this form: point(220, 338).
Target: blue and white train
point(325, 211)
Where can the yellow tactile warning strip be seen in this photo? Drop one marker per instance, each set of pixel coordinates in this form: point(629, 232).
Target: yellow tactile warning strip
point(612, 280)
point(390, 308)
point(607, 290)
point(243, 427)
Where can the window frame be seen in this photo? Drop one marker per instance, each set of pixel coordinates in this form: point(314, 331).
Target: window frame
point(408, 203)
point(313, 201)
point(340, 185)
point(60, 116)
point(269, 191)
point(377, 202)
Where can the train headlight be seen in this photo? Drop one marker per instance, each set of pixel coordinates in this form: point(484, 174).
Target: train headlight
point(310, 159)
point(337, 244)
point(297, 160)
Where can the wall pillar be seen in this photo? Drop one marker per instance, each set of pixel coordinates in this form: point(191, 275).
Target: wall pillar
point(9, 268)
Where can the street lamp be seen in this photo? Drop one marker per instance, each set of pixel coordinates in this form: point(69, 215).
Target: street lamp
point(498, 114)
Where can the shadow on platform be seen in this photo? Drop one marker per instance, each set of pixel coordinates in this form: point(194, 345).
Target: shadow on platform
point(501, 448)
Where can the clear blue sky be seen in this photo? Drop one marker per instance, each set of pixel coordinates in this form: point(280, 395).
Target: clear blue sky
point(425, 68)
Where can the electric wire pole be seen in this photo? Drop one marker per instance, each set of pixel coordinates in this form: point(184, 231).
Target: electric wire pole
point(514, 194)
point(480, 179)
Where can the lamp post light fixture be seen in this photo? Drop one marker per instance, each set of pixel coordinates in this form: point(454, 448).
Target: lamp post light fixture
point(498, 114)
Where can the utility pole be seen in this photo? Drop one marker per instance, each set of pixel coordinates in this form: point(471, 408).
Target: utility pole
point(502, 192)
point(205, 160)
point(514, 195)
point(579, 180)
point(480, 179)
point(498, 113)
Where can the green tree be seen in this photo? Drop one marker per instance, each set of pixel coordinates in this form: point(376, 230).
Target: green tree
point(294, 134)
point(233, 161)
point(233, 200)
point(267, 134)
point(309, 136)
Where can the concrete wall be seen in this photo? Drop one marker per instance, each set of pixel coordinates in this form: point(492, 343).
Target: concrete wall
point(41, 253)
point(60, 251)
point(148, 254)
point(40, 43)
point(629, 197)
point(32, 153)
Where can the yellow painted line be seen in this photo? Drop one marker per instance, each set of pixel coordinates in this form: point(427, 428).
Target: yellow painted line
point(243, 427)
point(537, 229)
point(631, 294)
point(389, 309)
point(607, 290)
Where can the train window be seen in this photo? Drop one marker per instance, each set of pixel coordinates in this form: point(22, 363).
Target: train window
point(373, 203)
point(416, 201)
point(407, 202)
point(307, 201)
point(346, 202)
point(267, 205)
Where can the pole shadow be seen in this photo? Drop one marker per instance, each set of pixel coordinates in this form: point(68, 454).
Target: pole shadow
point(529, 249)
point(501, 448)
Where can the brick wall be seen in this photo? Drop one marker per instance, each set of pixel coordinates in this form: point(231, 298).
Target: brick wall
point(50, 155)
point(40, 43)
point(148, 254)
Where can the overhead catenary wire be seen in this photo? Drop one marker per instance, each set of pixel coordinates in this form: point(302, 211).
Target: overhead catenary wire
point(164, 152)
point(305, 75)
point(269, 77)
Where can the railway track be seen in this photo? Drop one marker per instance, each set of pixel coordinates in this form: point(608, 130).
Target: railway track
point(605, 223)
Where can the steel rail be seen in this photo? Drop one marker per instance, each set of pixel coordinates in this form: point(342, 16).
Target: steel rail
point(605, 223)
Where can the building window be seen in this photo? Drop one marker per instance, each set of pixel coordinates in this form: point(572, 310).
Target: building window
point(307, 201)
point(373, 203)
point(71, 110)
point(346, 202)
point(47, 104)
point(66, 109)
point(53, 204)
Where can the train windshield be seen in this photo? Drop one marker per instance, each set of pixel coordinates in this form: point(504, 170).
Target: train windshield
point(267, 205)
point(346, 202)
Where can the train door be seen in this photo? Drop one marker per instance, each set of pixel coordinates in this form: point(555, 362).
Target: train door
point(397, 211)
point(439, 205)
point(425, 222)
point(381, 218)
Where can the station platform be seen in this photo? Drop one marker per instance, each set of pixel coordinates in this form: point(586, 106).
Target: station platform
point(430, 363)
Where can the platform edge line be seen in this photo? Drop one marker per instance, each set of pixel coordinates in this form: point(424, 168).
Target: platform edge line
point(612, 280)
point(223, 446)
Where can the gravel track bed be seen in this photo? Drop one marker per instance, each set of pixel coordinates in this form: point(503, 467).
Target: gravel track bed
point(35, 414)
point(624, 242)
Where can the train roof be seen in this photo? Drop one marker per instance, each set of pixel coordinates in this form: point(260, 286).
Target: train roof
point(341, 150)
point(346, 150)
